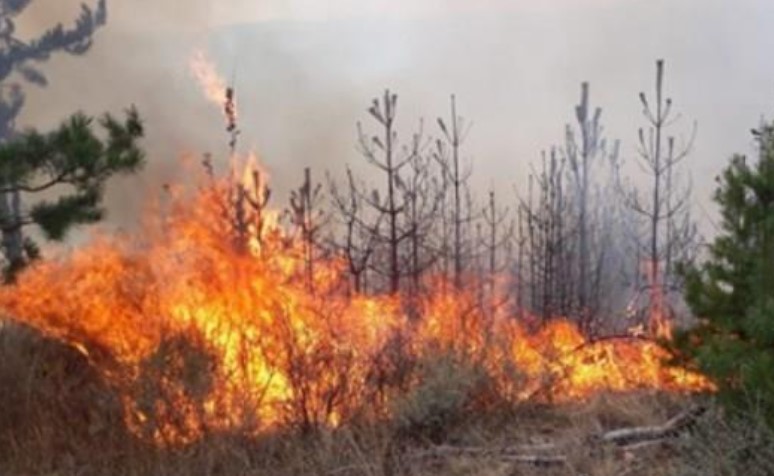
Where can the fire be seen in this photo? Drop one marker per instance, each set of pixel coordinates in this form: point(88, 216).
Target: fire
point(200, 333)
point(215, 88)
point(206, 74)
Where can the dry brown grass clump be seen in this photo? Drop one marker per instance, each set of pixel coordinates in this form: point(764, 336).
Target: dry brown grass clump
point(54, 407)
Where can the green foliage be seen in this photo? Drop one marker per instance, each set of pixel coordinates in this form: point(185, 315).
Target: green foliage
point(733, 291)
point(69, 167)
point(20, 64)
point(24, 55)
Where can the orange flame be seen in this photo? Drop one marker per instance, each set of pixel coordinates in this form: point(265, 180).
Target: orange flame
point(199, 334)
point(214, 87)
point(212, 84)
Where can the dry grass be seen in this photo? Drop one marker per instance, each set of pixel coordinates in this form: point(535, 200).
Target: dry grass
point(58, 417)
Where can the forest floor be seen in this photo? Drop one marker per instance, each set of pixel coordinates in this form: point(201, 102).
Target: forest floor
point(56, 419)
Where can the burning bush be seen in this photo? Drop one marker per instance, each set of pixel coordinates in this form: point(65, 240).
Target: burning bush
point(174, 382)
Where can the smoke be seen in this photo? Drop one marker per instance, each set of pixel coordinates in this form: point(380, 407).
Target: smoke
point(305, 71)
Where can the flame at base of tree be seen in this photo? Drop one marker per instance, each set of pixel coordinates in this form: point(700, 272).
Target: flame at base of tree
point(198, 334)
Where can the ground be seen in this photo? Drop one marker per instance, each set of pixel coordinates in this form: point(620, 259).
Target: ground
point(57, 417)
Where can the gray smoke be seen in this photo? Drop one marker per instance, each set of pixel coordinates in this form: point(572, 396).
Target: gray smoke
point(306, 73)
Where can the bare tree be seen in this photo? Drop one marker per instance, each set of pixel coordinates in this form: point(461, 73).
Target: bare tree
point(360, 235)
point(664, 207)
point(496, 243)
point(455, 176)
point(385, 153)
point(307, 218)
point(588, 158)
point(545, 211)
point(423, 194)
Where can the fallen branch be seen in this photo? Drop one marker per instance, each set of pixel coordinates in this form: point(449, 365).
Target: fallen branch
point(536, 460)
point(629, 440)
point(675, 425)
point(509, 454)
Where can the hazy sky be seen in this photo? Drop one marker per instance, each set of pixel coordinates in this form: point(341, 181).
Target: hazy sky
point(306, 70)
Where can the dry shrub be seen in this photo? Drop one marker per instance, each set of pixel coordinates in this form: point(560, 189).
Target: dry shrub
point(448, 389)
point(724, 444)
point(54, 407)
point(170, 392)
point(58, 416)
point(320, 387)
point(390, 373)
point(320, 374)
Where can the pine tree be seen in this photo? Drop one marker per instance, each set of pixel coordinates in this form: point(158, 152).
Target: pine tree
point(732, 292)
point(20, 62)
point(69, 167)
point(21, 58)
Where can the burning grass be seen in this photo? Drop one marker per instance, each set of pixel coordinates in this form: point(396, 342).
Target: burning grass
point(197, 346)
point(205, 344)
point(61, 417)
point(204, 322)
